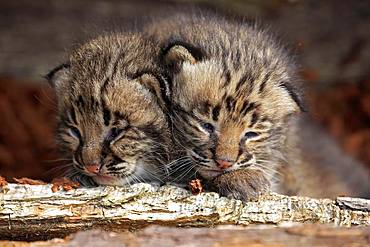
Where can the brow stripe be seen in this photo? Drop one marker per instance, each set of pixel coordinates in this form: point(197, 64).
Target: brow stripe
point(81, 101)
point(246, 107)
point(73, 115)
point(242, 80)
point(254, 119)
point(216, 112)
point(230, 103)
point(263, 84)
point(226, 74)
point(106, 116)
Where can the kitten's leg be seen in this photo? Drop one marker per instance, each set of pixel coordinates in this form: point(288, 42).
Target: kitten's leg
point(244, 184)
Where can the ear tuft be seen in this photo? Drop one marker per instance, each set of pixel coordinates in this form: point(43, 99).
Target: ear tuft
point(58, 75)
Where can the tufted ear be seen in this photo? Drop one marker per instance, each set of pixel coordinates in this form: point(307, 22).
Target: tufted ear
point(177, 53)
point(158, 86)
point(58, 76)
point(294, 95)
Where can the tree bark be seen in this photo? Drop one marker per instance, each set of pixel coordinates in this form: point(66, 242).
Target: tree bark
point(32, 212)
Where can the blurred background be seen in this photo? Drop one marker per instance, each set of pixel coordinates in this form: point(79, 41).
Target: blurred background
point(331, 39)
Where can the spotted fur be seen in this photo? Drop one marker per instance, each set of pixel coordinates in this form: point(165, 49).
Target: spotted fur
point(234, 94)
point(111, 107)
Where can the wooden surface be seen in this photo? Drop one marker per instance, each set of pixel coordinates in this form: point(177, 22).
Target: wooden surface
point(231, 236)
point(32, 212)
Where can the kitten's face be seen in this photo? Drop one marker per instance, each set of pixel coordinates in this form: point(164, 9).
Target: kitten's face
point(117, 136)
point(230, 121)
point(111, 122)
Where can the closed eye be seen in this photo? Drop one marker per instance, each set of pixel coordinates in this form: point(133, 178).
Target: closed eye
point(75, 132)
point(114, 133)
point(208, 127)
point(250, 135)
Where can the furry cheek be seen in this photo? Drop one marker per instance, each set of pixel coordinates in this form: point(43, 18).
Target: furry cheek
point(69, 142)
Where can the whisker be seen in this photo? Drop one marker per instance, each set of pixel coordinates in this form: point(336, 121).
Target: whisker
point(181, 176)
point(58, 168)
point(57, 160)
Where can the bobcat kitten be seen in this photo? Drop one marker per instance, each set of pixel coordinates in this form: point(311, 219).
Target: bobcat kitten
point(236, 106)
point(112, 123)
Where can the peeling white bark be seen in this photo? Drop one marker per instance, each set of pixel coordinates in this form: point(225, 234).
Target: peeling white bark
point(36, 210)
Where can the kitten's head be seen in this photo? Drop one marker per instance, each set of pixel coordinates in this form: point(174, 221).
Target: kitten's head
point(111, 112)
point(230, 110)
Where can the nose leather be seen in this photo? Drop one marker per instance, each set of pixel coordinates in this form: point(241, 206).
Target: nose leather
point(224, 164)
point(92, 168)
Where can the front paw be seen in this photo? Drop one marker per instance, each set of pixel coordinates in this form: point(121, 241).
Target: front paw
point(242, 185)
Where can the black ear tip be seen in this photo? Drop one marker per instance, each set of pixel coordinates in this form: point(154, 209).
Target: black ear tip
point(159, 84)
point(196, 52)
point(295, 95)
point(49, 76)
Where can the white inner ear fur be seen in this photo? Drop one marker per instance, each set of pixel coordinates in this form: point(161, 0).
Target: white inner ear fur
point(279, 98)
point(60, 78)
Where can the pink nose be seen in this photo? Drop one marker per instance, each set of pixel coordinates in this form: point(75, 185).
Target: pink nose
point(224, 164)
point(92, 168)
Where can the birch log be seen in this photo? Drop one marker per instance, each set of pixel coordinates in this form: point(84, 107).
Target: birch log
point(33, 212)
